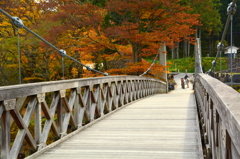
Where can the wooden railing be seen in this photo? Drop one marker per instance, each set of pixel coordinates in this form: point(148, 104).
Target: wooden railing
point(54, 109)
point(219, 109)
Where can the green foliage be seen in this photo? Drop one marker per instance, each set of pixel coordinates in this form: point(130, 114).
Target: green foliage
point(236, 18)
point(180, 64)
point(99, 3)
point(237, 88)
point(209, 13)
point(189, 64)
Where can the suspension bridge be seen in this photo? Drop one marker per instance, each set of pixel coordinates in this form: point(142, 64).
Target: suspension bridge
point(160, 126)
point(121, 116)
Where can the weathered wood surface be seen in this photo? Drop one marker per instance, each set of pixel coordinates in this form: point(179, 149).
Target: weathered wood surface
point(219, 107)
point(162, 126)
point(54, 109)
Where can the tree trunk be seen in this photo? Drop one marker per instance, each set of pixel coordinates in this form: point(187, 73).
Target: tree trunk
point(79, 67)
point(210, 47)
point(173, 51)
point(177, 50)
point(196, 33)
point(136, 50)
point(185, 48)
point(200, 33)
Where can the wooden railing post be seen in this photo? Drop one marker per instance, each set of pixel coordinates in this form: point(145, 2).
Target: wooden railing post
point(38, 120)
point(5, 142)
point(228, 146)
point(8, 105)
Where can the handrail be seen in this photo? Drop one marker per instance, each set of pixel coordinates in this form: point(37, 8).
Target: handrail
point(219, 115)
point(64, 106)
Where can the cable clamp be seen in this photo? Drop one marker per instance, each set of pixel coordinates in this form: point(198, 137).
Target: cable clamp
point(105, 74)
point(231, 9)
point(214, 63)
point(220, 47)
point(17, 22)
point(88, 68)
point(63, 53)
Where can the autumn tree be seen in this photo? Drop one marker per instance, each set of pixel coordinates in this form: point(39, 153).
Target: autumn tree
point(147, 23)
point(100, 32)
point(39, 62)
point(122, 29)
point(209, 17)
point(27, 11)
point(77, 26)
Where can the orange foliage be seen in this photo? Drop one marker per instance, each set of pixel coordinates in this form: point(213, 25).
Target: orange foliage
point(138, 69)
point(127, 30)
point(123, 29)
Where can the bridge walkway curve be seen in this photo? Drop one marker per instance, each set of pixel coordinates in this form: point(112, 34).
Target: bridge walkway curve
point(162, 126)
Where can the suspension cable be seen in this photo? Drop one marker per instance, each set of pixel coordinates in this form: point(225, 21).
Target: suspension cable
point(19, 57)
point(220, 47)
point(18, 23)
point(150, 66)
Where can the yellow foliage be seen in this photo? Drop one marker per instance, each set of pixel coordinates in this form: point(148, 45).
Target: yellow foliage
point(74, 72)
point(33, 78)
point(12, 66)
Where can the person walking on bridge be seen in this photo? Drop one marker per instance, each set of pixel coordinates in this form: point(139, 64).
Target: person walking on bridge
point(187, 82)
point(182, 83)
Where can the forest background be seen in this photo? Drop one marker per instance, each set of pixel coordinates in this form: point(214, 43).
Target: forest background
point(119, 37)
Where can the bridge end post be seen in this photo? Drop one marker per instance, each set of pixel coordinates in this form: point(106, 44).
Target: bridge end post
point(163, 61)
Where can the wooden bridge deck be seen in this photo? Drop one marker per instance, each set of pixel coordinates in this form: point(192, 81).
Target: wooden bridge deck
point(162, 126)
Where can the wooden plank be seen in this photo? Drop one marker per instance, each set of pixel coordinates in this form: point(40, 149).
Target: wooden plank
point(161, 126)
point(37, 123)
point(5, 134)
point(50, 123)
point(1, 110)
point(68, 117)
point(23, 132)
